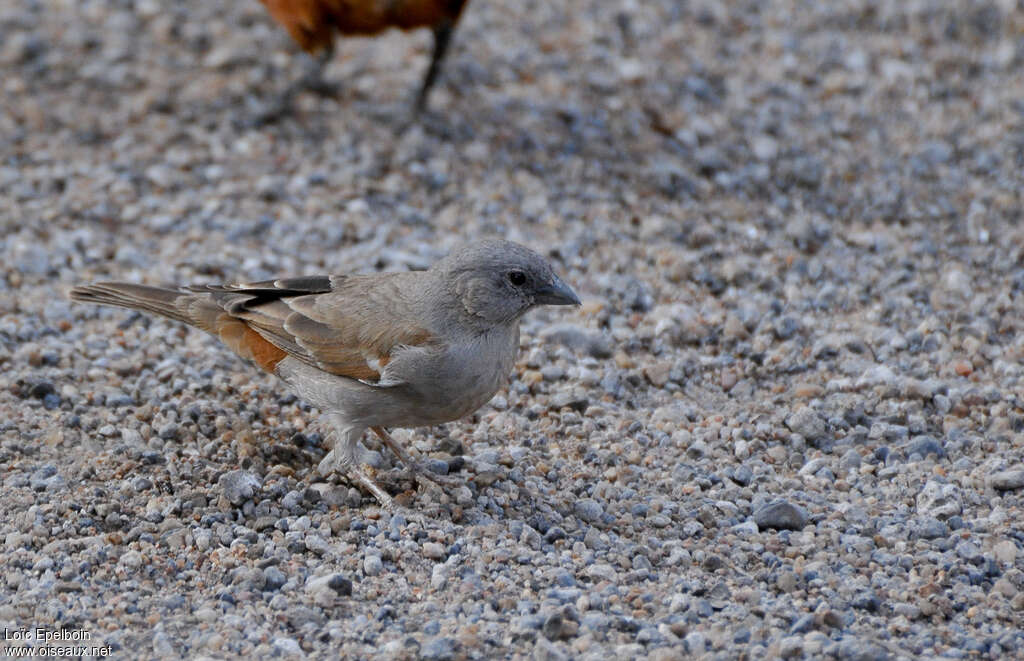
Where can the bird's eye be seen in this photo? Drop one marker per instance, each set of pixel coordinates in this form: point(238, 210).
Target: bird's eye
point(517, 278)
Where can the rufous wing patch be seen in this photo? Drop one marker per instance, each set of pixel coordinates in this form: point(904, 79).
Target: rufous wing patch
point(248, 344)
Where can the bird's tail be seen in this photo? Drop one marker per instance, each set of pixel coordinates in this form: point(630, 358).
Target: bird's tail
point(166, 302)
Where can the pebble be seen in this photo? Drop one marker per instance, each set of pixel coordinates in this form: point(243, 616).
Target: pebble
point(1005, 551)
point(1007, 480)
point(923, 446)
point(372, 565)
point(274, 578)
point(579, 339)
point(940, 500)
point(287, 646)
point(780, 515)
point(808, 424)
point(434, 551)
point(239, 486)
point(438, 649)
point(589, 510)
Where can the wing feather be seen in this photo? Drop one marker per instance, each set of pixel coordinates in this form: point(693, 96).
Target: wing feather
point(340, 324)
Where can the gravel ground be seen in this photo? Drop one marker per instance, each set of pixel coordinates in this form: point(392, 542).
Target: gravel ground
point(786, 422)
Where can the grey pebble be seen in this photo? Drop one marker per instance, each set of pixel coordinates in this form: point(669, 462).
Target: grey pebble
point(941, 500)
point(434, 551)
point(287, 646)
point(274, 578)
point(696, 642)
point(743, 475)
point(438, 649)
point(1007, 480)
point(46, 478)
point(808, 423)
point(372, 565)
point(851, 460)
point(239, 486)
point(924, 446)
point(579, 339)
point(780, 515)
point(589, 510)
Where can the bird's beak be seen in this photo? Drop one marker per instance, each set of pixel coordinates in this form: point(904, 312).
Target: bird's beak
point(556, 293)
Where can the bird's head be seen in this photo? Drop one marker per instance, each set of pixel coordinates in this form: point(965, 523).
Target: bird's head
point(498, 281)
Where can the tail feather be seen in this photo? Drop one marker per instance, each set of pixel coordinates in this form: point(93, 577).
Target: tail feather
point(165, 302)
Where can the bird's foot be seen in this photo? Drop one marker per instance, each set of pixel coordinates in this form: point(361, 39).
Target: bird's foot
point(284, 105)
point(420, 471)
point(431, 122)
point(274, 111)
point(322, 88)
point(334, 463)
point(424, 474)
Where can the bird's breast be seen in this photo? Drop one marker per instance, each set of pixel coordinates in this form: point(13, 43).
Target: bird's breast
point(469, 373)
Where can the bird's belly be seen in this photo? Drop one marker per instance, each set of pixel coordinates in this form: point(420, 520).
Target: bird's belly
point(457, 395)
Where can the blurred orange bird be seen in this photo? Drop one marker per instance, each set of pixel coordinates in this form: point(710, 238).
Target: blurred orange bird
point(312, 24)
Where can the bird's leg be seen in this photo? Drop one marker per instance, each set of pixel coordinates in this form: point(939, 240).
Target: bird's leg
point(312, 80)
point(442, 37)
point(342, 458)
point(417, 469)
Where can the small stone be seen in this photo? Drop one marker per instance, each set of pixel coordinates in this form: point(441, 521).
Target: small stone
point(580, 339)
point(331, 495)
point(764, 147)
point(806, 422)
point(743, 476)
point(545, 650)
point(831, 619)
point(131, 559)
point(273, 578)
point(558, 627)
point(969, 552)
point(206, 615)
point(781, 515)
point(340, 584)
point(372, 565)
point(434, 551)
point(601, 571)
point(162, 646)
point(330, 585)
point(1005, 551)
point(696, 642)
point(787, 581)
point(287, 646)
point(850, 460)
point(791, 646)
point(46, 478)
point(239, 486)
point(589, 510)
point(803, 624)
point(929, 527)
point(923, 446)
point(438, 649)
point(940, 500)
point(658, 373)
point(1005, 588)
point(807, 390)
point(575, 399)
point(41, 390)
point(1007, 480)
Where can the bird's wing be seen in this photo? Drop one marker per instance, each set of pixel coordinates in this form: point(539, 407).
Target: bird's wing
point(346, 325)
